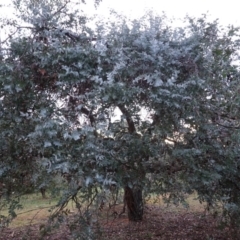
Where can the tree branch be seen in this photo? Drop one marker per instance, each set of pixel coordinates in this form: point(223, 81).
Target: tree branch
point(169, 170)
point(232, 127)
point(131, 126)
point(89, 114)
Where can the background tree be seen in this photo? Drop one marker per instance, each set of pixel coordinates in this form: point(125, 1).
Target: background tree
point(62, 83)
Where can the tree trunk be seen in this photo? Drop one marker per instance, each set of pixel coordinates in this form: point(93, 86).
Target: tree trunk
point(234, 213)
point(43, 192)
point(134, 202)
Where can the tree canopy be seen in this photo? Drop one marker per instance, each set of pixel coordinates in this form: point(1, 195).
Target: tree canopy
point(134, 104)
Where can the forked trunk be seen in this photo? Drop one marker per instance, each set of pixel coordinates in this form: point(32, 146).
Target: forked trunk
point(134, 202)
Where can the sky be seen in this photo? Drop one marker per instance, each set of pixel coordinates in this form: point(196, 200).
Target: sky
point(226, 11)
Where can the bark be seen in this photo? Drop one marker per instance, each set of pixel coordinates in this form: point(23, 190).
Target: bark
point(131, 126)
point(89, 114)
point(43, 192)
point(132, 196)
point(134, 202)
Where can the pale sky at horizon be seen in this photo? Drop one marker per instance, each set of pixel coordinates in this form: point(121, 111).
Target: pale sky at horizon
point(226, 11)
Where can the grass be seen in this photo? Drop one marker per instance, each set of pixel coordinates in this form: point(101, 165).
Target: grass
point(37, 210)
point(191, 203)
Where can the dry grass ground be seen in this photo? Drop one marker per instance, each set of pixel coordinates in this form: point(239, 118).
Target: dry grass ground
point(160, 222)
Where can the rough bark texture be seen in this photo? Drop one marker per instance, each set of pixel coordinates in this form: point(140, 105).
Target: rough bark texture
point(133, 200)
point(132, 196)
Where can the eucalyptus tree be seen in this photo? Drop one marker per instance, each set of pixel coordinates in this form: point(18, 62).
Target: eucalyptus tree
point(186, 79)
point(134, 104)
